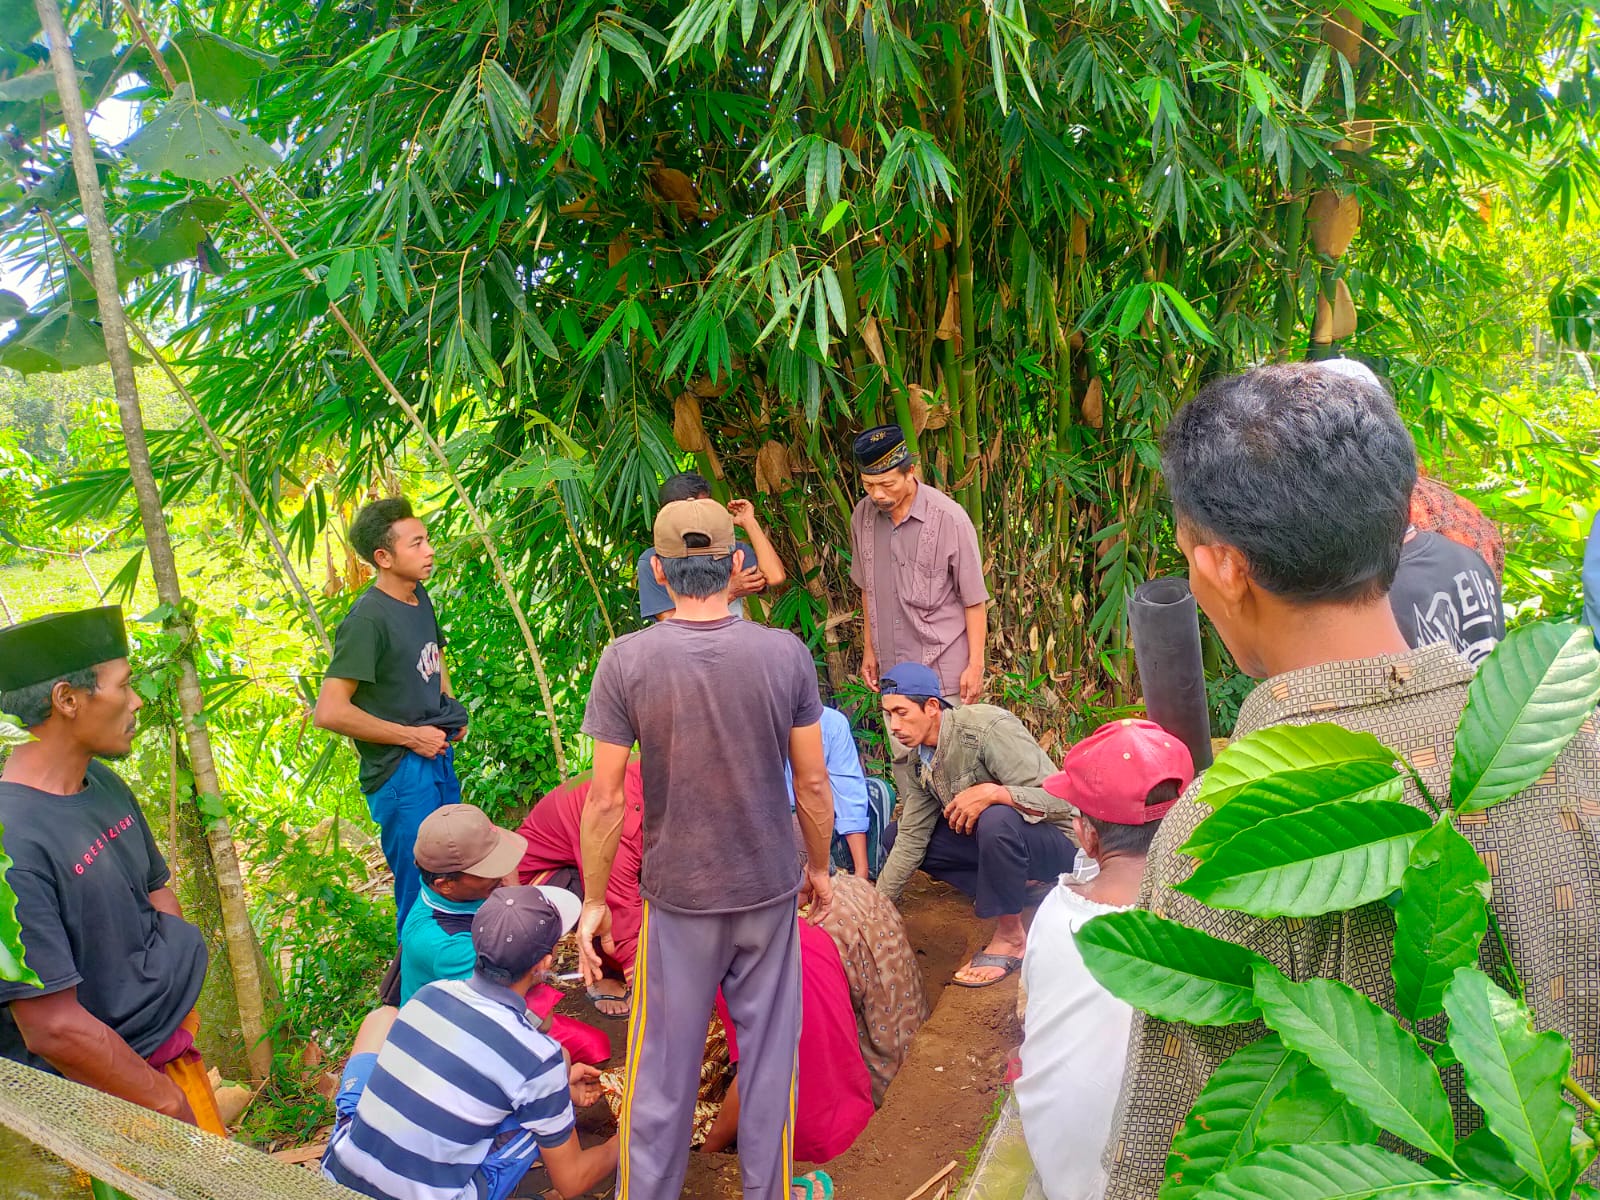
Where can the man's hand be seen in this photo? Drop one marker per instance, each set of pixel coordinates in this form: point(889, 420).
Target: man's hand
point(818, 893)
point(869, 667)
point(743, 514)
point(177, 1107)
point(971, 683)
point(427, 740)
point(584, 1080)
point(593, 922)
point(746, 583)
point(964, 810)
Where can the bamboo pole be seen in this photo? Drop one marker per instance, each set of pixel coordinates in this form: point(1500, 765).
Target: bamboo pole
point(239, 934)
point(474, 513)
point(285, 564)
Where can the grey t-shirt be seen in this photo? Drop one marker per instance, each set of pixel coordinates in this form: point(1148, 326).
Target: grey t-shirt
point(655, 600)
point(1445, 592)
point(392, 650)
point(711, 705)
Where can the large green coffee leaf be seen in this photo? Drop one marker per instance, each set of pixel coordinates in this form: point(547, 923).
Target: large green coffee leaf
point(1169, 970)
point(1311, 1109)
point(12, 964)
point(1291, 792)
point(1440, 921)
point(1365, 1054)
point(1220, 1129)
point(1514, 1075)
point(1327, 1172)
point(1329, 858)
point(1281, 748)
point(195, 142)
point(1523, 706)
point(1485, 1158)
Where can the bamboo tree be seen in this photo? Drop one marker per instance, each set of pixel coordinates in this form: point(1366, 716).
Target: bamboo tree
point(441, 459)
point(243, 953)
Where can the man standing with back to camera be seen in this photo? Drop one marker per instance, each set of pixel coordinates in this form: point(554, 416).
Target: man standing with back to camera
point(388, 691)
point(717, 706)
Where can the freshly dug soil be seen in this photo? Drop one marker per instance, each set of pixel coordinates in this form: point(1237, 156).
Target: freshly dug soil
point(939, 1105)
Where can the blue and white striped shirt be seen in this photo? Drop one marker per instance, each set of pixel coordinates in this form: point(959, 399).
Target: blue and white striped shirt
point(462, 1063)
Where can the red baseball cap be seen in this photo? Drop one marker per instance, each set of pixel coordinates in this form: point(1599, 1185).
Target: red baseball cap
point(1108, 775)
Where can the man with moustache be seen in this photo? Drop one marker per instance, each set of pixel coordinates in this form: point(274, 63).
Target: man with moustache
point(118, 969)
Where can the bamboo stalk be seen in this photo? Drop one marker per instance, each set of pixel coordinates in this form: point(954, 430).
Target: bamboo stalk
point(474, 513)
point(1294, 227)
point(239, 933)
point(217, 448)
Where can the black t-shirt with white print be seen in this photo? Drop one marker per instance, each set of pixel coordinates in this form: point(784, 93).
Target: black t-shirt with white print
point(392, 650)
point(1445, 592)
point(83, 868)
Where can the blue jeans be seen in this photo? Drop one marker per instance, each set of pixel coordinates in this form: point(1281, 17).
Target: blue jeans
point(417, 787)
point(514, 1152)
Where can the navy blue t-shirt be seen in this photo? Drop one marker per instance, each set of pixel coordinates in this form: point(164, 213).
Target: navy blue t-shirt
point(655, 600)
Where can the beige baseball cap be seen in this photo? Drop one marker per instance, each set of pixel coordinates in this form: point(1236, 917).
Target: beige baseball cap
point(706, 517)
point(462, 838)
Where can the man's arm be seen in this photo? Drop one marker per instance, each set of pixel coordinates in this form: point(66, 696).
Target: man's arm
point(813, 804)
point(575, 1171)
point(86, 1050)
point(336, 712)
point(869, 656)
point(977, 618)
point(599, 832)
point(916, 814)
point(1017, 766)
point(164, 899)
point(767, 560)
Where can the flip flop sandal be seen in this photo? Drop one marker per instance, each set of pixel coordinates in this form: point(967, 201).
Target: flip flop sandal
point(1010, 962)
point(818, 1185)
point(625, 999)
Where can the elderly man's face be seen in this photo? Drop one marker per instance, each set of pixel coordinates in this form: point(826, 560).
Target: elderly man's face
point(889, 490)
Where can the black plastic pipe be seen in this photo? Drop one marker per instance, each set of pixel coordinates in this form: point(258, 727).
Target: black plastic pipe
point(1165, 626)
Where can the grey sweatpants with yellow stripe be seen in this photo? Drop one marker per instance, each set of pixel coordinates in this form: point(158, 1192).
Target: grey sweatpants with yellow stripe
point(682, 959)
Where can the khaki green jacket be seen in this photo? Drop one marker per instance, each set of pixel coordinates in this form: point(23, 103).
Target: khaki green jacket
point(978, 743)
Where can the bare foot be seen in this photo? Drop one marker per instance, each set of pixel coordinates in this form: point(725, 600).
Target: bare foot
point(1002, 946)
point(610, 998)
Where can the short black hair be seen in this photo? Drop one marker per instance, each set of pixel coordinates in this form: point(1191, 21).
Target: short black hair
point(1135, 839)
point(373, 528)
point(698, 575)
point(685, 485)
point(32, 705)
point(434, 878)
point(1306, 472)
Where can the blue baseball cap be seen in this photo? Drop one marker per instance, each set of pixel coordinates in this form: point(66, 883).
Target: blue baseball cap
point(912, 679)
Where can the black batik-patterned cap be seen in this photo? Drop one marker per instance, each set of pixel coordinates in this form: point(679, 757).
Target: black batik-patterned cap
point(880, 449)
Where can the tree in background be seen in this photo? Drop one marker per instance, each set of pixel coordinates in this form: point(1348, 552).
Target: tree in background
point(555, 252)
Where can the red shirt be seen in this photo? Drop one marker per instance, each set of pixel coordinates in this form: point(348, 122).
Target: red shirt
point(552, 833)
point(834, 1102)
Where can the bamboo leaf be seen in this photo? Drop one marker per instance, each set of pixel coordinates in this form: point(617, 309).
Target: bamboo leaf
point(1440, 921)
point(340, 271)
point(1282, 748)
point(1290, 792)
point(1170, 970)
point(1335, 856)
point(1523, 706)
point(835, 215)
point(1514, 1075)
point(1221, 1128)
point(509, 98)
point(1365, 1054)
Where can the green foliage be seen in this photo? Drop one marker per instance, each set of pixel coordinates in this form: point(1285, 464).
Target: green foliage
point(1176, 972)
point(1522, 710)
point(1295, 1114)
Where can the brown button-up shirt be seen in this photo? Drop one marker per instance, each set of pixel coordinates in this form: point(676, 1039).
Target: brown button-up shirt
point(919, 578)
point(1542, 848)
